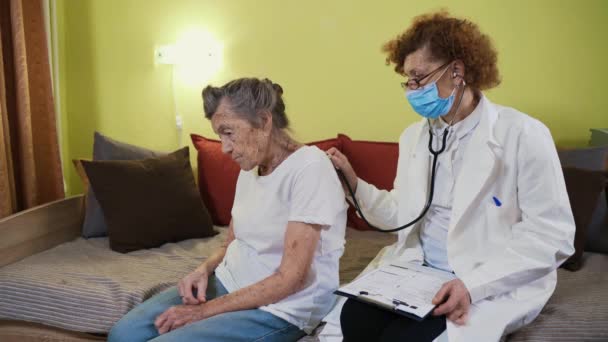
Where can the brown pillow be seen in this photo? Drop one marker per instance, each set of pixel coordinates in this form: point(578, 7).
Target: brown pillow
point(584, 188)
point(149, 202)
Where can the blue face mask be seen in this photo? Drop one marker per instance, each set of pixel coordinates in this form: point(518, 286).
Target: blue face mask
point(426, 101)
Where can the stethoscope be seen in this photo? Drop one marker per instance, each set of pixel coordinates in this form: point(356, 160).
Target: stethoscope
point(429, 200)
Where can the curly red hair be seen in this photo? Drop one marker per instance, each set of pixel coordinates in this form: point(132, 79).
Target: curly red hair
point(448, 39)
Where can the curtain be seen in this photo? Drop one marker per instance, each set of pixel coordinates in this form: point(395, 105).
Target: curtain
point(30, 166)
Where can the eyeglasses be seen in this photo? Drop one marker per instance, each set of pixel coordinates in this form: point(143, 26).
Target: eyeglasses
point(414, 83)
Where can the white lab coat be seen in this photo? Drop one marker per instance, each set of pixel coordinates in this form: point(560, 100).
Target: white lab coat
point(506, 255)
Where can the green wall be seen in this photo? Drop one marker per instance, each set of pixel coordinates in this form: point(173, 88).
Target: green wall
point(325, 54)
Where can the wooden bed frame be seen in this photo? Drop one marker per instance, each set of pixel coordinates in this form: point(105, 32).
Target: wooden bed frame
point(40, 228)
point(30, 232)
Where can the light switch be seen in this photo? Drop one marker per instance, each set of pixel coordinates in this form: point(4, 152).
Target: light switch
point(165, 54)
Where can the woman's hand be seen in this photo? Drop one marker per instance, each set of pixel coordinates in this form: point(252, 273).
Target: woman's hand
point(341, 163)
point(178, 316)
point(195, 280)
point(453, 300)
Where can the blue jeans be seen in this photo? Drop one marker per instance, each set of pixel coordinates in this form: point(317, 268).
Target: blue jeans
point(246, 325)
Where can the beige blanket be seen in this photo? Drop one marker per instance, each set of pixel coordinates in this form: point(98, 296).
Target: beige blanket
point(84, 286)
point(577, 311)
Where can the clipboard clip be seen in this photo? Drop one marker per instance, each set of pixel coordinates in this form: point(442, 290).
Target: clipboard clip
point(397, 302)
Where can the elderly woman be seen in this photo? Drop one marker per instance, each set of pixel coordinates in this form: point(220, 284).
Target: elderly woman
point(500, 218)
point(273, 279)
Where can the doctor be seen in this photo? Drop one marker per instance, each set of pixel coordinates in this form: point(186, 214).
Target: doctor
point(500, 218)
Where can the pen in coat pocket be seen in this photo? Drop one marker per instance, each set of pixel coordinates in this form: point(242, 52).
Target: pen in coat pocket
point(497, 201)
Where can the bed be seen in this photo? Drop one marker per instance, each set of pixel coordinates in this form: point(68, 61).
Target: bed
point(57, 286)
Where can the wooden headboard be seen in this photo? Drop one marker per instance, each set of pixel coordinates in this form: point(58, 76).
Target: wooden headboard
point(40, 228)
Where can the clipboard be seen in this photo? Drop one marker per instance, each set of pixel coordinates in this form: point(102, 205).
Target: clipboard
point(406, 289)
point(392, 308)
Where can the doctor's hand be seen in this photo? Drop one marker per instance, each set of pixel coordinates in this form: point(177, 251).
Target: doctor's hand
point(195, 280)
point(341, 163)
point(453, 300)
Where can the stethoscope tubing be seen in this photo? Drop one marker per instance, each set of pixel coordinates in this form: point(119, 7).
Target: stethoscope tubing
point(435, 154)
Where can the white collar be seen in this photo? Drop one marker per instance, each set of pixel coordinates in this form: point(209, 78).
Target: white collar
point(463, 127)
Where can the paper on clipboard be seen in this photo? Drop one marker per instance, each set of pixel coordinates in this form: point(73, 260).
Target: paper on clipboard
point(406, 288)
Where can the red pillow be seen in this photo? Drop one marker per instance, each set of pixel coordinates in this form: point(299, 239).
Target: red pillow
point(374, 162)
point(217, 175)
point(325, 145)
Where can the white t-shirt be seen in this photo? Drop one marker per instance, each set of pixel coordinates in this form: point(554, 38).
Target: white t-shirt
point(303, 188)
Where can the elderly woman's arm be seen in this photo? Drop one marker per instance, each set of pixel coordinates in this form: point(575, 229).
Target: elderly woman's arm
point(197, 279)
point(300, 244)
point(214, 260)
